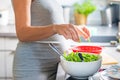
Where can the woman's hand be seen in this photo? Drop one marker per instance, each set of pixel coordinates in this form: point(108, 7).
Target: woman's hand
point(73, 32)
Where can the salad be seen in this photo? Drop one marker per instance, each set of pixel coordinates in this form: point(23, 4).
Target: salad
point(74, 57)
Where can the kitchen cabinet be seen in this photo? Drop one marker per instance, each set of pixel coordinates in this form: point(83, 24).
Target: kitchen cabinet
point(2, 59)
point(7, 51)
point(9, 63)
point(8, 43)
point(10, 46)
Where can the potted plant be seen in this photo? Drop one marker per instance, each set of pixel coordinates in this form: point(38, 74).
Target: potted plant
point(81, 11)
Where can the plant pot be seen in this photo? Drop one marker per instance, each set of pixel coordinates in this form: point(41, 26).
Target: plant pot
point(80, 19)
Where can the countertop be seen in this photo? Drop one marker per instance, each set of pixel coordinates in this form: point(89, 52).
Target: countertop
point(7, 30)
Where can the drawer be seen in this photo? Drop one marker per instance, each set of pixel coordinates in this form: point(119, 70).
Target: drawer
point(11, 43)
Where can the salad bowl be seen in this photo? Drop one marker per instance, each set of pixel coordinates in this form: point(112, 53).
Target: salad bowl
point(78, 64)
point(80, 70)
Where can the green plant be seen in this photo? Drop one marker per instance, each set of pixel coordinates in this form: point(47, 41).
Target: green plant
point(86, 7)
point(73, 56)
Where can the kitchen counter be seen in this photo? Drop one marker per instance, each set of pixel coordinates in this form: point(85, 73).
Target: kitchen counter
point(7, 31)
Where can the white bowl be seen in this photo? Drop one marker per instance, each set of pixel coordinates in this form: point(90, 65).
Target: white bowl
point(80, 70)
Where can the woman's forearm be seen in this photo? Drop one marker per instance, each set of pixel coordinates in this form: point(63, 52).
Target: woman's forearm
point(34, 33)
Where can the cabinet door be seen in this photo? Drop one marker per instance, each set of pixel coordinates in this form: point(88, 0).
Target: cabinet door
point(9, 64)
point(2, 65)
point(10, 46)
point(2, 59)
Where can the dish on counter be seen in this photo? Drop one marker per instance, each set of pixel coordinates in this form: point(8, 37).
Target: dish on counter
point(113, 71)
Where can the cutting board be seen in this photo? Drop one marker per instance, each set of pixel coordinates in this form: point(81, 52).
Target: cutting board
point(108, 60)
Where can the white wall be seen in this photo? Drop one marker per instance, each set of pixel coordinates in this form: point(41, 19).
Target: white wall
point(6, 4)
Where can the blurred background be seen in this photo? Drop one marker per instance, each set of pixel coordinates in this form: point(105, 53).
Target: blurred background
point(103, 24)
point(105, 14)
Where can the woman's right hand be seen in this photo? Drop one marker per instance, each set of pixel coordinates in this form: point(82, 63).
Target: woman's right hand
point(70, 31)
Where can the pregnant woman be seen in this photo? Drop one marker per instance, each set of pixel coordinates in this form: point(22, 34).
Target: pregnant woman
point(38, 23)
